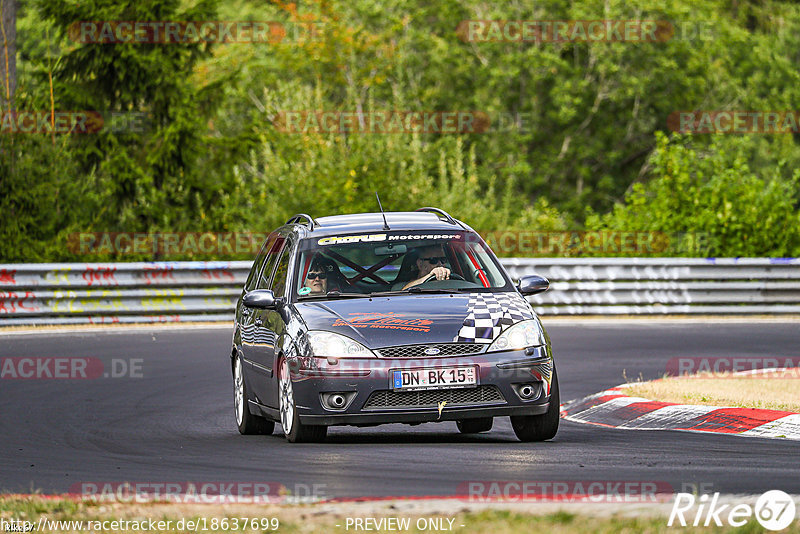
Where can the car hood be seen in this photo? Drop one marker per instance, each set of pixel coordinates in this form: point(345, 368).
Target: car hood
point(409, 319)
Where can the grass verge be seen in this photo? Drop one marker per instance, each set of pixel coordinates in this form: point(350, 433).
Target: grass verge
point(776, 391)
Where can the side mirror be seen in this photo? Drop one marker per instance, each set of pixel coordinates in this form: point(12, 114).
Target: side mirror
point(261, 299)
point(532, 284)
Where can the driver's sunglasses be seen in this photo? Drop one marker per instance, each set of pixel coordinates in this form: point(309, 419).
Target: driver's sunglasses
point(320, 275)
point(436, 260)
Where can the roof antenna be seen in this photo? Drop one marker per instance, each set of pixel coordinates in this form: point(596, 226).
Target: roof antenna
point(385, 224)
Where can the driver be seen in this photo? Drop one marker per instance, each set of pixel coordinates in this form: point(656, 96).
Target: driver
point(319, 272)
point(431, 260)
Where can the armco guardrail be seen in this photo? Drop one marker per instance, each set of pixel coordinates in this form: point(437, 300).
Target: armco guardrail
point(582, 286)
point(98, 293)
point(206, 291)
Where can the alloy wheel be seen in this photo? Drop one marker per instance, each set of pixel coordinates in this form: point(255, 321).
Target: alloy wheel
point(287, 398)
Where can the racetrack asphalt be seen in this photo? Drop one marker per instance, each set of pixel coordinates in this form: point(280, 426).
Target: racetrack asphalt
point(176, 422)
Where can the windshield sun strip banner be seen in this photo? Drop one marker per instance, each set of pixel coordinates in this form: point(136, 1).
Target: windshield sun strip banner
point(366, 238)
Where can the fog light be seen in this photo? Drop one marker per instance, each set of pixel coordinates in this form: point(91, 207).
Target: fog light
point(529, 391)
point(337, 400)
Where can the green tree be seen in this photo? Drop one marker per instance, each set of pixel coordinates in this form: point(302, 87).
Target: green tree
point(171, 173)
point(708, 202)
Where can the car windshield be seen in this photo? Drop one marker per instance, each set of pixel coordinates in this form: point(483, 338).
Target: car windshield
point(355, 265)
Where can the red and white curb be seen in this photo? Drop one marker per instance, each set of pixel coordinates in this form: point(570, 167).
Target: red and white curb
point(613, 408)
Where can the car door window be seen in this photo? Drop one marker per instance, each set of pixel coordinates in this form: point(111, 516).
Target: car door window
point(282, 271)
point(258, 265)
point(269, 265)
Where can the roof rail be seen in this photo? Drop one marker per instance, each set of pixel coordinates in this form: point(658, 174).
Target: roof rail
point(441, 213)
point(297, 218)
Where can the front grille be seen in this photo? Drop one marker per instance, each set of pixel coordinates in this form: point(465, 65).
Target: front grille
point(418, 351)
point(432, 398)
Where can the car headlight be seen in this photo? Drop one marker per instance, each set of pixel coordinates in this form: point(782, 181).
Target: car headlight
point(330, 345)
point(524, 334)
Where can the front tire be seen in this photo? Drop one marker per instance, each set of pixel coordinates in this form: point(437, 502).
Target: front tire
point(293, 429)
point(245, 421)
point(475, 426)
point(540, 427)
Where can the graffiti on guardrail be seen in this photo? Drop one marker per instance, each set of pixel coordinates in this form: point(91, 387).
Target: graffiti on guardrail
point(72, 302)
point(178, 300)
point(152, 275)
point(99, 275)
point(217, 274)
point(11, 302)
point(57, 276)
point(7, 276)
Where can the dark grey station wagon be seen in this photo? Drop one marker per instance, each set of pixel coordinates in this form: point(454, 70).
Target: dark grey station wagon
point(402, 317)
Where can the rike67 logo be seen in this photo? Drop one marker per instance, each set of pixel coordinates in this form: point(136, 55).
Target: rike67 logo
point(774, 510)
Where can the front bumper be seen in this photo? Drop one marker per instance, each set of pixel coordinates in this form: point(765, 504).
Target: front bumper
point(366, 383)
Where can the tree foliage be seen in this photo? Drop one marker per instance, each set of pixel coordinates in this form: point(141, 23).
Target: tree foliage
point(711, 203)
point(590, 148)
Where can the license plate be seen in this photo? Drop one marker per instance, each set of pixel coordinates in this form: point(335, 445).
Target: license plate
point(411, 379)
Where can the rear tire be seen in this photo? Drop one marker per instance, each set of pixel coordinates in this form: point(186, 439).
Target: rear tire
point(475, 426)
point(540, 427)
point(246, 422)
point(293, 429)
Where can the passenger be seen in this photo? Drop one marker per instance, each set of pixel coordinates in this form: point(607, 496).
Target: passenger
point(430, 260)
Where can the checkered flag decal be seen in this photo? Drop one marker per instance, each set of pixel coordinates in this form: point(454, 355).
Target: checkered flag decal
point(489, 314)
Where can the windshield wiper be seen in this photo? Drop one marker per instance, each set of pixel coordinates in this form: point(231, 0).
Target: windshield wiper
point(418, 289)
